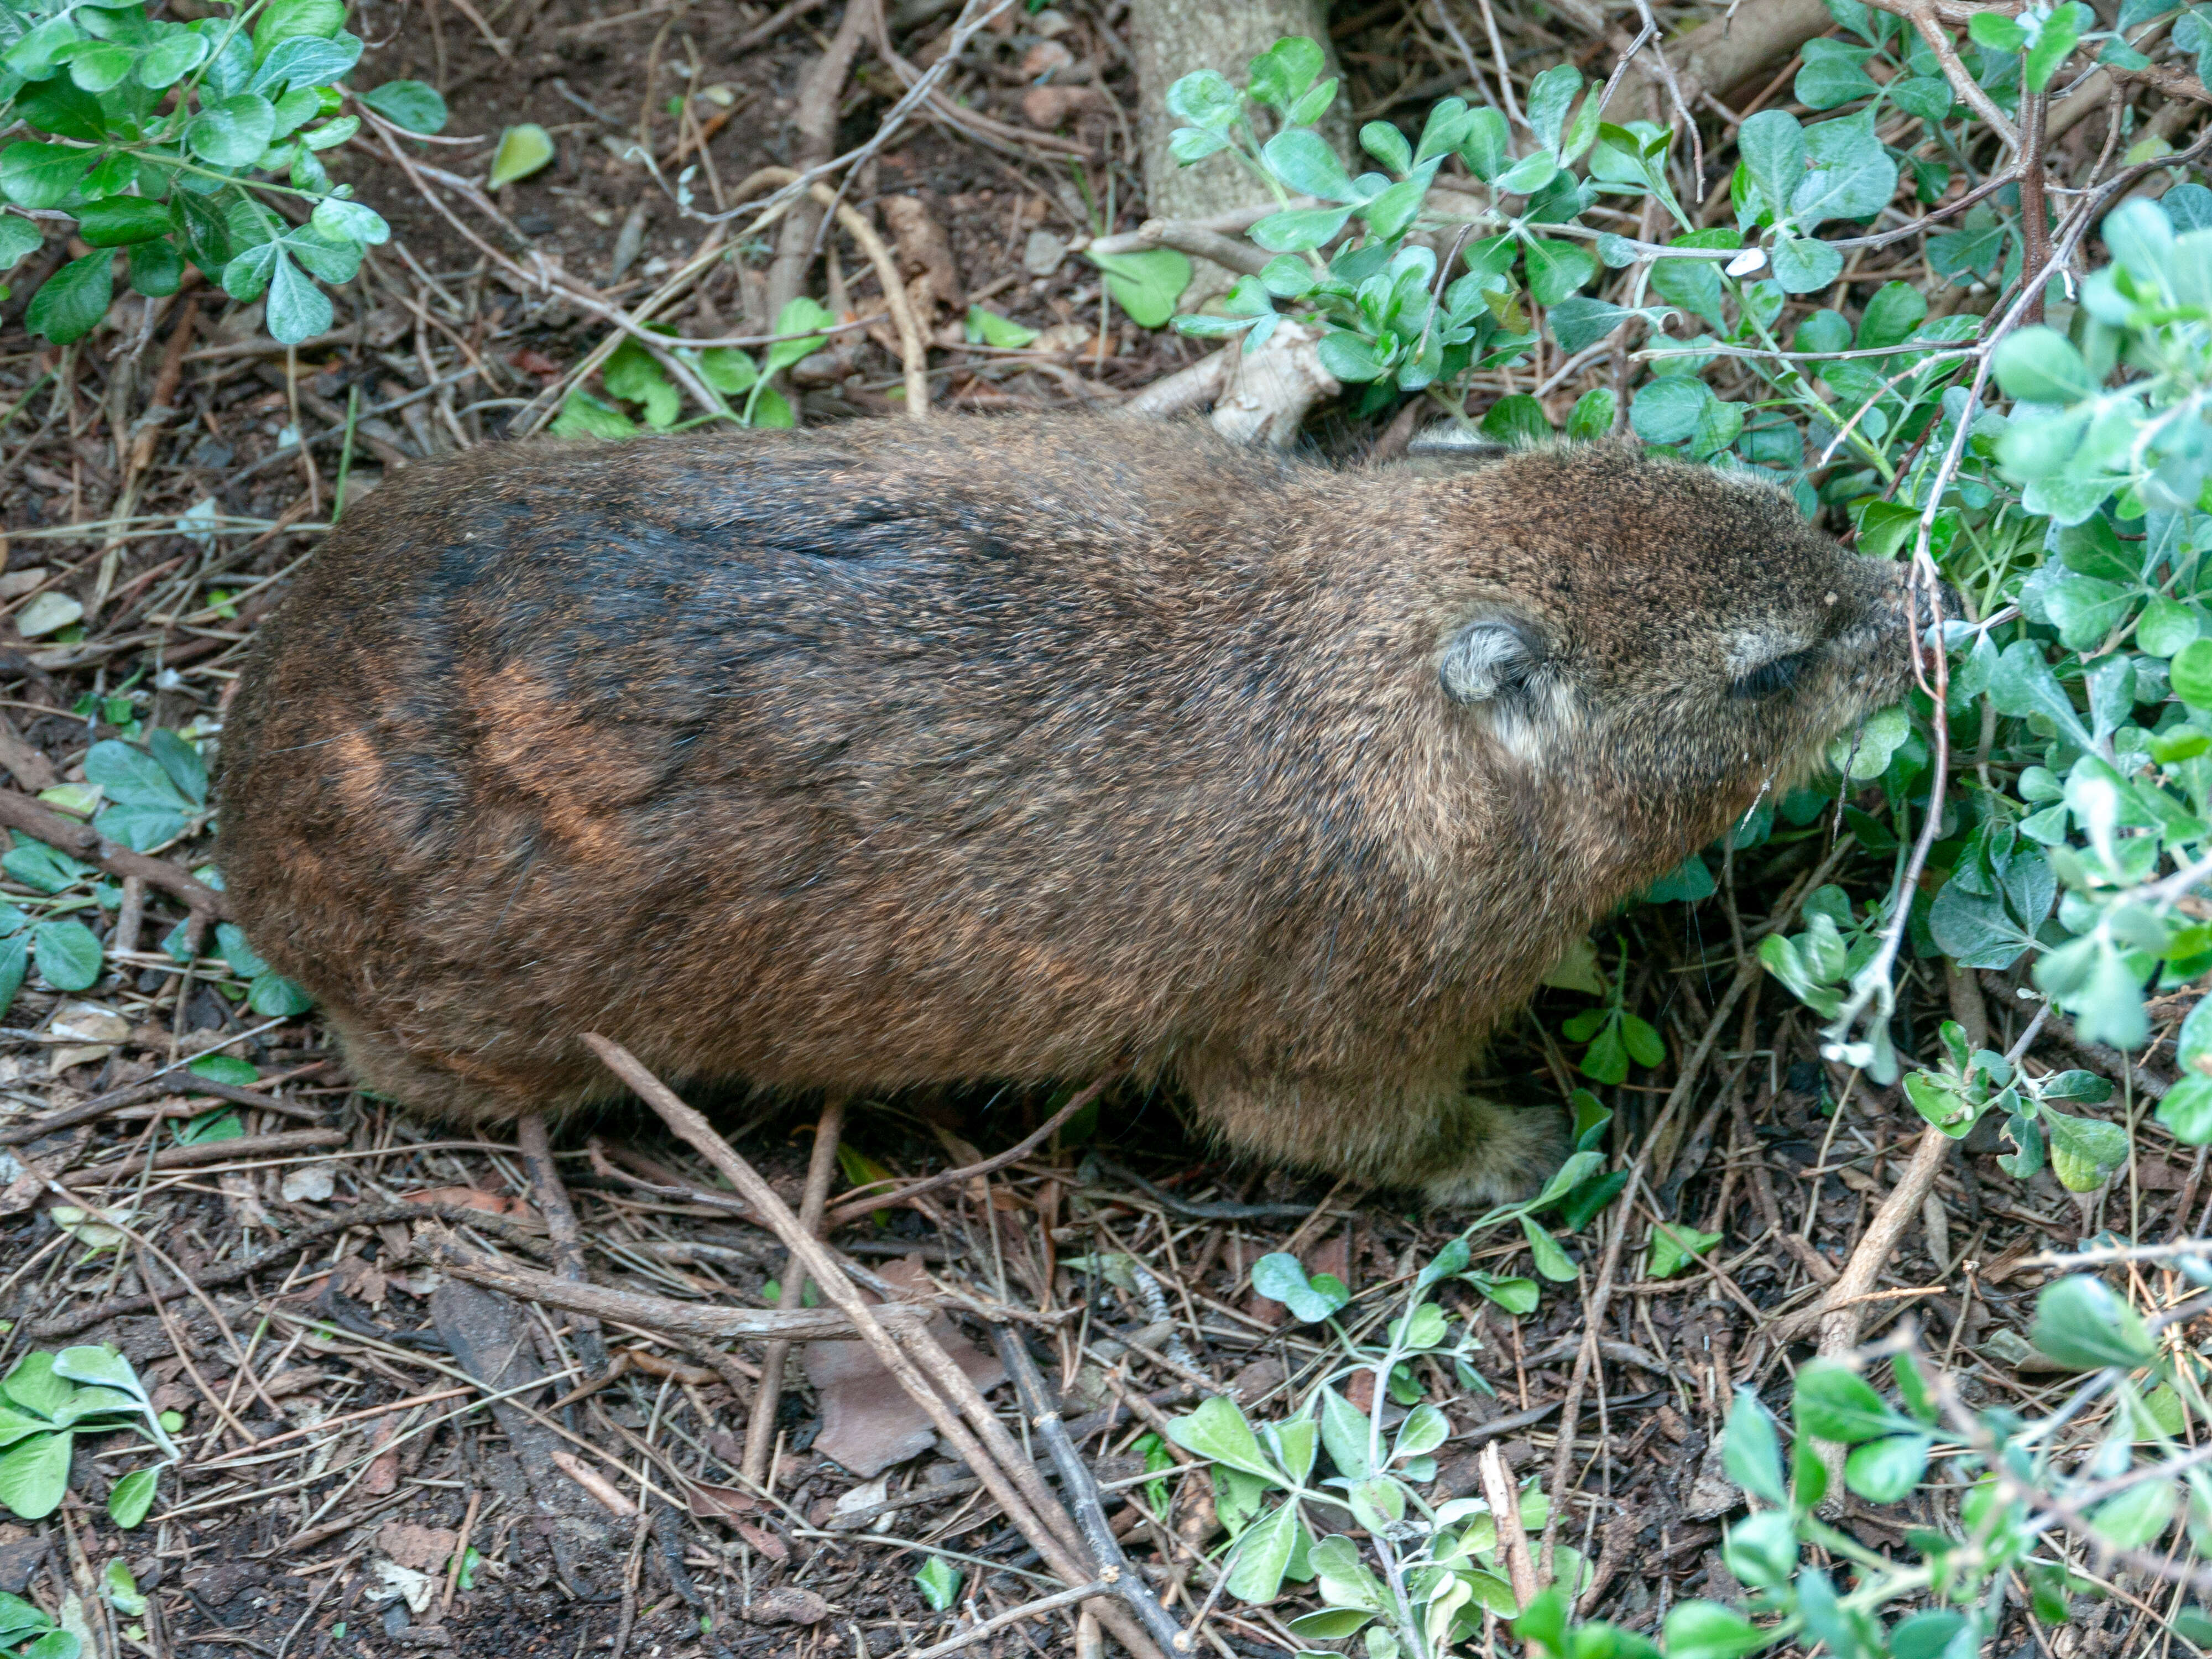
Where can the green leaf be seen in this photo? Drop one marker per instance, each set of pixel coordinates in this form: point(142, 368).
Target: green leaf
point(32, 1384)
point(1833, 74)
point(34, 1474)
point(272, 996)
point(72, 300)
point(1668, 408)
point(2138, 1516)
point(1557, 269)
point(14, 965)
point(1302, 159)
point(938, 1581)
point(1891, 316)
point(1281, 75)
point(523, 149)
point(1483, 147)
point(1518, 419)
point(1996, 33)
point(1550, 96)
point(17, 237)
point(1706, 1630)
point(1262, 1554)
point(1884, 1471)
point(1928, 96)
point(2084, 1150)
point(1773, 145)
point(102, 1368)
point(1386, 145)
point(2054, 43)
point(284, 19)
point(2080, 1323)
point(132, 1496)
point(1834, 1402)
point(2187, 1110)
point(987, 327)
point(1804, 264)
point(1762, 1550)
point(408, 104)
point(1751, 1450)
point(1217, 1430)
point(117, 220)
point(1550, 1261)
point(2191, 673)
point(1592, 416)
point(305, 61)
point(632, 373)
point(1330, 1625)
point(232, 133)
point(1674, 1248)
point(69, 954)
point(1281, 1278)
point(1852, 177)
point(156, 268)
point(583, 415)
point(132, 777)
point(1299, 229)
point(1145, 285)
point(1528, 175)
point(2022, 684)
point(2040, 365)
point(297, 310)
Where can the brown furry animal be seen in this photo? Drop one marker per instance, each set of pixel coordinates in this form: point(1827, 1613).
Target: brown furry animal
point(1016, 750)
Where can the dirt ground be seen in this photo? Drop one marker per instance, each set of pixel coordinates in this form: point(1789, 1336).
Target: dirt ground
point(332, 1379)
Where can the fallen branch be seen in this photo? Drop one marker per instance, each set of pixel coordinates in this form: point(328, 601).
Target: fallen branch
point(44, 823)
point(906, 1357)
point(198, 1152)
point(1079, 1489)
point(656, 1313)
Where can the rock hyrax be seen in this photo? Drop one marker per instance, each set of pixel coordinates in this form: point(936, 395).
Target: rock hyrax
point(1018, 750)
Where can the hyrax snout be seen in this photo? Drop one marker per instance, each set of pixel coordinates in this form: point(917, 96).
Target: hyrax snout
point(1018, 750)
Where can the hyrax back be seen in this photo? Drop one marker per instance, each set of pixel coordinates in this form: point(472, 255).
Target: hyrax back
point(1015, 750)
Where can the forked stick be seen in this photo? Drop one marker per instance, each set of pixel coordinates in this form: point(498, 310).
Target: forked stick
point(1120, 1616)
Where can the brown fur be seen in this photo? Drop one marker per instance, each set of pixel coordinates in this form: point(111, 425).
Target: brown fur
point(1013, 749)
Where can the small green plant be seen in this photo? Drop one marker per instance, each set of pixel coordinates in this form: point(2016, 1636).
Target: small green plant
point(634, 375)
point(46, 1400)
point(28, 1631)
point(172, 141)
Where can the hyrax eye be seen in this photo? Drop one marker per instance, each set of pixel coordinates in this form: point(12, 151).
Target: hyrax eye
point(1771, 678)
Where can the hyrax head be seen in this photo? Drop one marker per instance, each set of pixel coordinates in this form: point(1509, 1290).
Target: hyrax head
point(1665, 641)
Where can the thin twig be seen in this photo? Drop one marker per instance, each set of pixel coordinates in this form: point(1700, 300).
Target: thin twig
point(821, 1169)
point(899, 1359)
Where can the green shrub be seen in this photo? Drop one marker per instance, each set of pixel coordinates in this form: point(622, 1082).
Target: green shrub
point(174, 142)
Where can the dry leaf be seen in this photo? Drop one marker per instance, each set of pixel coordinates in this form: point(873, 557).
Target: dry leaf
point(404, 1584)
point(475, 1197)
point(711, 1503)
point(765, 1540)
point(382, 1475)
point(87, 1021)
point(426, 1549)
point(869, 1422)
point(312, 1183)
point(787, 1605)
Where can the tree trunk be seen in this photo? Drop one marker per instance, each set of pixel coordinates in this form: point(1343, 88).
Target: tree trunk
point(1171, 38)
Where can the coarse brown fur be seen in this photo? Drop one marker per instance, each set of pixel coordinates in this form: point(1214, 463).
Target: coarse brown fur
point(1016, 750)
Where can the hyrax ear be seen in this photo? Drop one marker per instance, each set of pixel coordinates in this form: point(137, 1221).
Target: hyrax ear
point(1488, 657)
